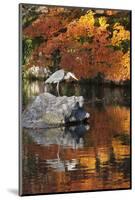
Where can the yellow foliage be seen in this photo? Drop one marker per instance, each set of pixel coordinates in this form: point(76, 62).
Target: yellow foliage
point(120, 70)
point(88, 20)
point(83, 27)
point(103, 22)
point(119, 34)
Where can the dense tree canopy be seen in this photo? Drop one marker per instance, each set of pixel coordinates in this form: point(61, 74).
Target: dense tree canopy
point(83, 41)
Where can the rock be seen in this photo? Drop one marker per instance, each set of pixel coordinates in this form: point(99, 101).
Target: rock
point(48, 110)
point(37, 72)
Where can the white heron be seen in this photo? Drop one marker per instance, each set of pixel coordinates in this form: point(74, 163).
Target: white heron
point(58, 76)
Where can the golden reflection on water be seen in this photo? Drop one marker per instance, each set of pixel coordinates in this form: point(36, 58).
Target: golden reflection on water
point(101, 162)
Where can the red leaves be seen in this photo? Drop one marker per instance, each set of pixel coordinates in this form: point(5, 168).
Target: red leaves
point(45, 27)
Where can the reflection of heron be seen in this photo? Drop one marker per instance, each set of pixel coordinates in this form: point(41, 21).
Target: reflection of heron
point(59, 76)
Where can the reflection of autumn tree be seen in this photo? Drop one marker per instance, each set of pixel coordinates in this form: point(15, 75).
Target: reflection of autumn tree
point(120, 118)
point(107, 120)
point(108, 124)
point(100, 159)
point(86, 44)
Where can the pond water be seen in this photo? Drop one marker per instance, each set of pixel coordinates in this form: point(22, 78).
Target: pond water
point(88, 157)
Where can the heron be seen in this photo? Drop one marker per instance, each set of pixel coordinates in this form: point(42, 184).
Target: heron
point(59, 76)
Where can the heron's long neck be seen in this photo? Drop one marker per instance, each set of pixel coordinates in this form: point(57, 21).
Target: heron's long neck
point(66, 76)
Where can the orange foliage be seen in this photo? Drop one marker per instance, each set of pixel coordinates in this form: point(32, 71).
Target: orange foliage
point(85, 48)
point(43, 27)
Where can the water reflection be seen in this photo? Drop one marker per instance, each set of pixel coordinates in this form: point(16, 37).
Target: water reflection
point(67, 136)
point(95, 156)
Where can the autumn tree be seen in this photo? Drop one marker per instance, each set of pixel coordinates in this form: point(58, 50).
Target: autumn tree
point(80, 41)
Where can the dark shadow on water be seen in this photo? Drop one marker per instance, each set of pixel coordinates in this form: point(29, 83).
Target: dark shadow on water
point(13, 191)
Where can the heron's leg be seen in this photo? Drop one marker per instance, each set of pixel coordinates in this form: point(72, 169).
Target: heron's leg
point(58, 154)
point(58, 89)
point(46, 88)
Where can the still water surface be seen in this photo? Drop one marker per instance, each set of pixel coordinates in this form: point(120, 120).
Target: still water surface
point(95, 156)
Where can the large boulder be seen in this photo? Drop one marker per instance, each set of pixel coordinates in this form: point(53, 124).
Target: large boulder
point(48, 110)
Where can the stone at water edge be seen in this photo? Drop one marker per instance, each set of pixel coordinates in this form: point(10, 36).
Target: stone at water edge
point(48, 110)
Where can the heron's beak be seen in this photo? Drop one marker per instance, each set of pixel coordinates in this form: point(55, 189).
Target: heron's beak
point(73, 76)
